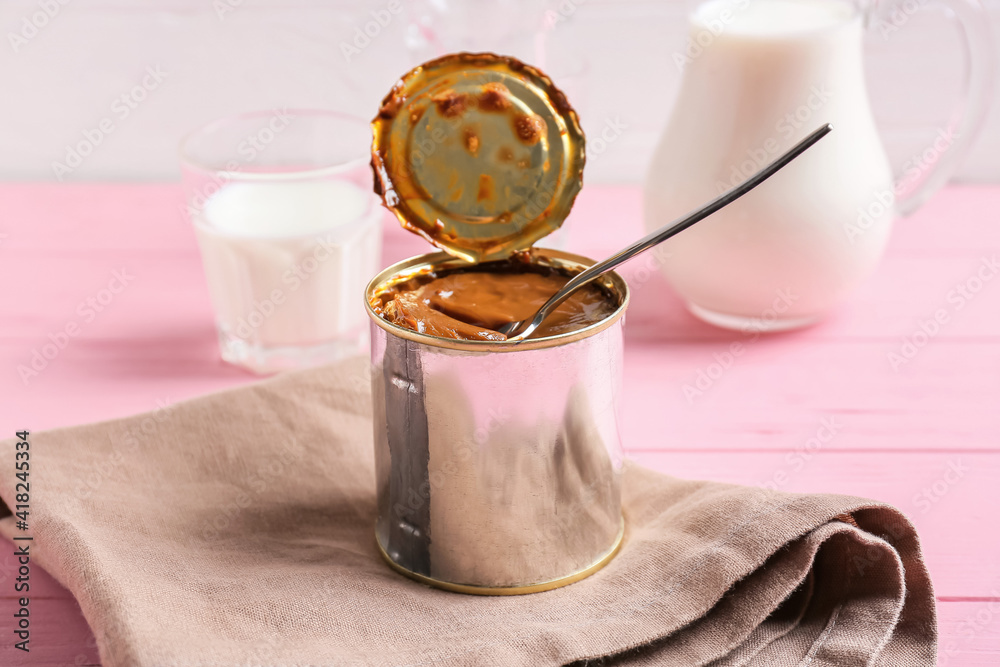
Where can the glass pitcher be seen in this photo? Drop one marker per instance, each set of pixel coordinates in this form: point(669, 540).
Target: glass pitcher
point(758, 75)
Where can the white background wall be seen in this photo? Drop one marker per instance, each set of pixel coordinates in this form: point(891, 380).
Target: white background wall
point(613, 57)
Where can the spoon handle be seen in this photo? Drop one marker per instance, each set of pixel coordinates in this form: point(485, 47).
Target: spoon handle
point(671, 229)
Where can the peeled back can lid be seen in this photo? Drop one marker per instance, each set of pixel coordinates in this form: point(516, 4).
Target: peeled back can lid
point(478, 153)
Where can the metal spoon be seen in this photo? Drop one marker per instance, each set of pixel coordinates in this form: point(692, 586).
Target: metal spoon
point(518, 331)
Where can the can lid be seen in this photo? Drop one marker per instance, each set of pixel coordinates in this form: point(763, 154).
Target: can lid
point(478, 153)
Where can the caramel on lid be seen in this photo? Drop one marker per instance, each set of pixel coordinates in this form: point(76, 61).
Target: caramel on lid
point(478, 153)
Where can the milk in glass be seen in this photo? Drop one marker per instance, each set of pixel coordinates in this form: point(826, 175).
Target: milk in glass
point(286, 264)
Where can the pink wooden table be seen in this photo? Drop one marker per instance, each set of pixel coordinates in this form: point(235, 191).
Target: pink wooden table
point(818, 410)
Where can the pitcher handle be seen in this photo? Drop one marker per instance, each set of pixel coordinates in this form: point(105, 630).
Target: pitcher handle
point(968, 114)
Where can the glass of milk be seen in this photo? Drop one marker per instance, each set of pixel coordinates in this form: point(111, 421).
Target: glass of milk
point(290, 233)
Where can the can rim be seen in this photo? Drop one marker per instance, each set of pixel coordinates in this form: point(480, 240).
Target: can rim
point(413, 266)
point(524, 589)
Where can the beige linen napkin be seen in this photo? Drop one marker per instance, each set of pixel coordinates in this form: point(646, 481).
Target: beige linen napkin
point(237, 529)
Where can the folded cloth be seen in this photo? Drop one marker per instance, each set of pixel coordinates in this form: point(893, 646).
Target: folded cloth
point(237, 529)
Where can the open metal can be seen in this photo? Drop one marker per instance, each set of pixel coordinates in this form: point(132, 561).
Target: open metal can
point(498, 464)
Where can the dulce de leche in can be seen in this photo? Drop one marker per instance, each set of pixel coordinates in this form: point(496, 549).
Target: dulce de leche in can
point(498, 463)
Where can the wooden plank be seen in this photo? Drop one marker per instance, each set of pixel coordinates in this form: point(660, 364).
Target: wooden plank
point(84, 219)
point(969, 633)
point(950, 497)
point(43, 586)
point(77, 219)
point(98, 380)
point(774, 394)
point(905, 295)
point(165, 291)
point(60, 637)
point(762, 397)
point(906, 291)
point(117, 294)
point(770, 398)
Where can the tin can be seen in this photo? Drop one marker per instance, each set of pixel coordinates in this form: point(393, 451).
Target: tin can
point(498, 464)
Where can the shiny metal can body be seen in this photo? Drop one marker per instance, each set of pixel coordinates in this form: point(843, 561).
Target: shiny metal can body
point(498, 464)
